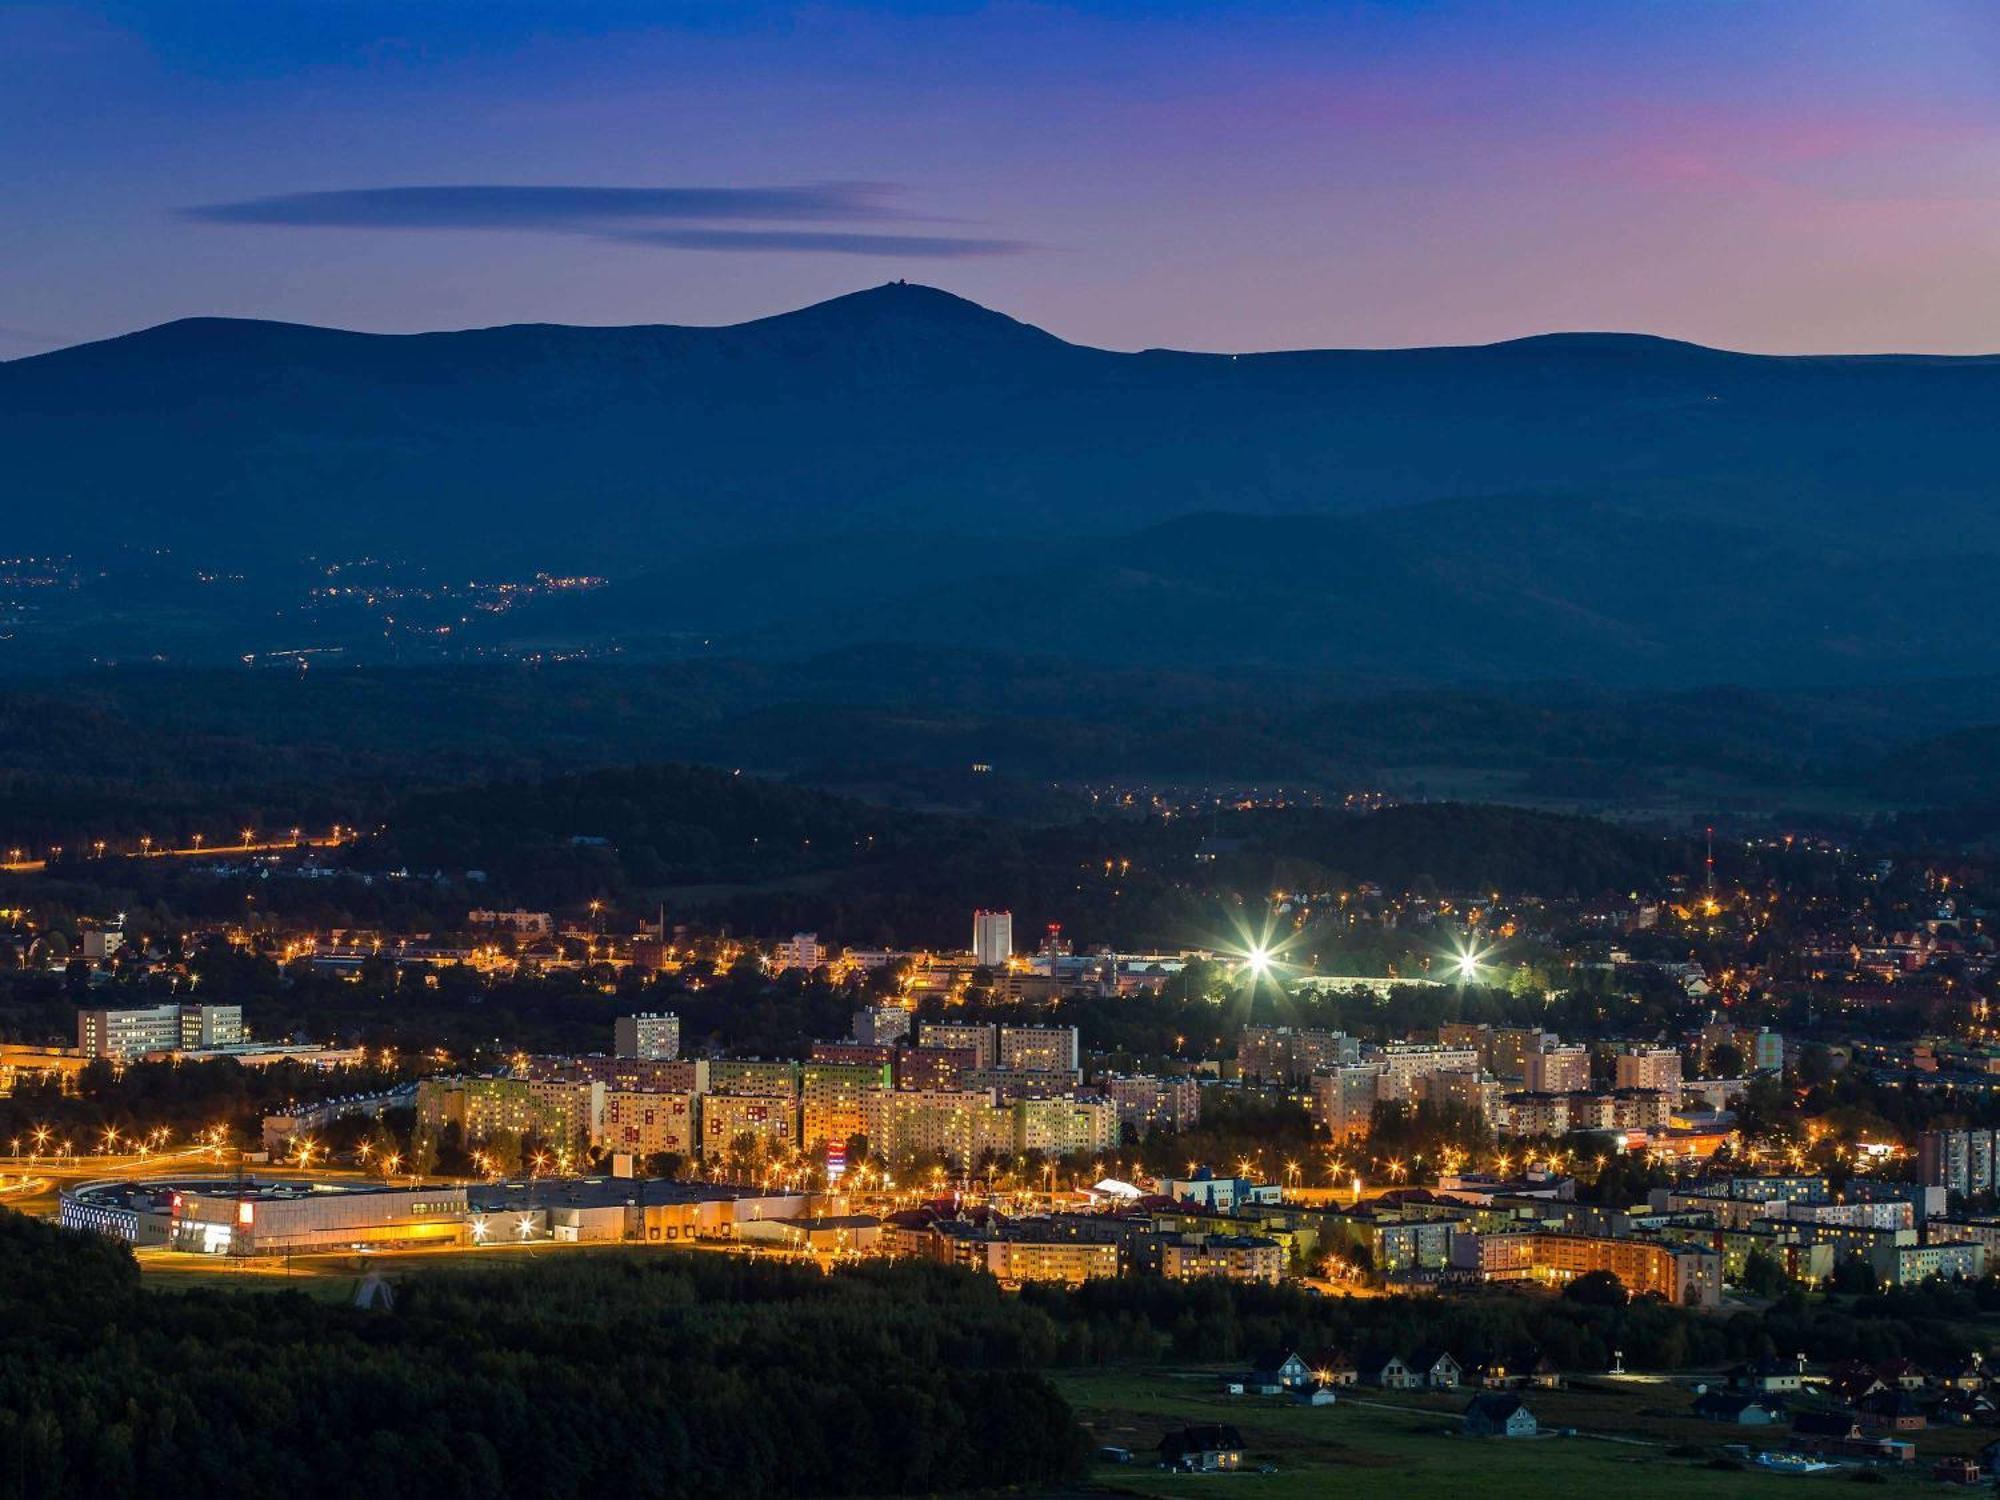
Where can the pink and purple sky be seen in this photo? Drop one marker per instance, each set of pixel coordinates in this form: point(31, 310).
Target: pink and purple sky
point(1780, 175)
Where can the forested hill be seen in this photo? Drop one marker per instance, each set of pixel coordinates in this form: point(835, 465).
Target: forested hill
point(902, 465)
point(797, 859)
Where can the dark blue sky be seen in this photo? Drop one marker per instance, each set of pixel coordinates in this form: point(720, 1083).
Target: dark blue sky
point(1769, 174)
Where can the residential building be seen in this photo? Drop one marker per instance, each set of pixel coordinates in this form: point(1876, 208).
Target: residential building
point(1282, 1054)
point(1241, 1257)
point(1344, 1098)
point(1557, 1070)
point(1038, 1049)
point(1682, 1274)
point(981, 1040)
point(803, 950)
point(1649, 1068)
point(881, 1025)
point(648, 1038)
point(1147, 1103)
point(649, 1124)
point(768, 1119)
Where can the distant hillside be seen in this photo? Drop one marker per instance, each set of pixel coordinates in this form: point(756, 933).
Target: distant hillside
point(1664, 512)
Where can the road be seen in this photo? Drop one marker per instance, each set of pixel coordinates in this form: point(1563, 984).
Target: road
point(205, 851)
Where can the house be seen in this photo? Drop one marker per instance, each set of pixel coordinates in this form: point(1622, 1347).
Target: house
point(1768, 1376)
point(1956, 1471)
point(1963, 1408)
point(1850, 1385)
point(1391, 1373)
point(1966, 1374)
point(1205, 1448)
point(1496, 1415)
point(1544, 1374)
point(1316, 1395)
point(1824, 1431)
point(1278, 1371)
point(1436, 1370)
point(1903, 1374)
point(1740, 1407)
point(1893, 1411)
point(1334, 1367)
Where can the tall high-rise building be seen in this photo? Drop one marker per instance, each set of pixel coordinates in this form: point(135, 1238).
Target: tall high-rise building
point(1344, 1098)
point(650, 1038)
point(992, 937)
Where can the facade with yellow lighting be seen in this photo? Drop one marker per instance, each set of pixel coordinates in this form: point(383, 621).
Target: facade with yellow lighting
point(1683, 1274)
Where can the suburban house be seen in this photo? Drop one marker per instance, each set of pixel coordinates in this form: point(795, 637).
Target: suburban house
point(1334, 1367)
point(1391, 1373)
point(1278, 1371)
point(1964, 1408)
point(1436, 1370)
point(1967, 1374)
point(1496, 1415)
point(1768, 1376)
point(1851, 1383)
point(1529, 1369)
point(1741, 1407)
point(1893, 1411)
point(1904, 1374)
point(1206, 1447)
point(1823, 1431)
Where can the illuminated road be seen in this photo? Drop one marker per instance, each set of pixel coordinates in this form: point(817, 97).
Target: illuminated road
point(205, 851)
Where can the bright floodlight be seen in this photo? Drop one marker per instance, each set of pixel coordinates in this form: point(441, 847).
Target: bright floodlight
point(1467, 966)
point(1259, 960)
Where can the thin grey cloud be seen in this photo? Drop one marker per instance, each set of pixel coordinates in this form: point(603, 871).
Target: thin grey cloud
point(670, 218)
point(922, 246)
point(562, 208)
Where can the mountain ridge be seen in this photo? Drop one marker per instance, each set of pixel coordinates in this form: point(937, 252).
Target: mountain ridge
point(902, 412)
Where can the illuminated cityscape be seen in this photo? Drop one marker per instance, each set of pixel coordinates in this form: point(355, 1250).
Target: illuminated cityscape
point(1086, 749)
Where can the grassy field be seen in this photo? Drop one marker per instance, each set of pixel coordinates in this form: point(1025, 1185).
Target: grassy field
point(1628, 1437)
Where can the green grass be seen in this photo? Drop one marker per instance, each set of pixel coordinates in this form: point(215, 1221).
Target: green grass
point(1412, 1445)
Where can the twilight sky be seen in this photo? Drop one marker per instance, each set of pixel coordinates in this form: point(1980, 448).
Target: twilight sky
point(1786, 175)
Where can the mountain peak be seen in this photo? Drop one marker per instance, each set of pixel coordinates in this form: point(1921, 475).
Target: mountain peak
point(907, 305)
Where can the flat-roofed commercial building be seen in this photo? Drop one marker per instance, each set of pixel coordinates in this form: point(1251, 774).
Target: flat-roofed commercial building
point(126, 1033)
point(280, 1218)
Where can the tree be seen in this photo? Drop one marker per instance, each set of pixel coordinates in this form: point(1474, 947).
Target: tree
point(1762, 1275)
point(1597, 1289)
